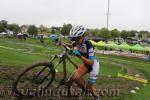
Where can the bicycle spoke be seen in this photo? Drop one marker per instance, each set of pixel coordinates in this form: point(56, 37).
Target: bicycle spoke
point(40, 72)
point(38, 75)
point(45, 77)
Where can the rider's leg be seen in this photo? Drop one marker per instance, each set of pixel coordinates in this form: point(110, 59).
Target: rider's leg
point(77, 76)
point(92, 79)
point(81, 83)
point(91, 88)
point(82, 70)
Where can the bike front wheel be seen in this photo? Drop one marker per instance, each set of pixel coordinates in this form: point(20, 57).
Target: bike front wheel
point(34, 79)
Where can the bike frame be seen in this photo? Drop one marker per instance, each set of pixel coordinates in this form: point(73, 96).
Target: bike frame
point(62, 59)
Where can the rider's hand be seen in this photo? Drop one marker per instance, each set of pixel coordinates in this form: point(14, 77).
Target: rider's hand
point(63, 43)
point(76, 52)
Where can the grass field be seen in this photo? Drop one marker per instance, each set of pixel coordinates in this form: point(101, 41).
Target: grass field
point(16, 54)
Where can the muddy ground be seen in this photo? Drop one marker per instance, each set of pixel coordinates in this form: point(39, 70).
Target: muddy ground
point(105, 87)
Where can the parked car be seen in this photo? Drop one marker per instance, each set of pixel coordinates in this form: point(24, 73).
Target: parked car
point(133, 41)
point(55, 36)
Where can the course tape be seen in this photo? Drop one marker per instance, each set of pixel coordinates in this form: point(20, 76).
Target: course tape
point(133, 78)
point(4, 47)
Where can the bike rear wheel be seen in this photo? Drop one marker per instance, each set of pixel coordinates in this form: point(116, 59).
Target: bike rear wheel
point(34, 79)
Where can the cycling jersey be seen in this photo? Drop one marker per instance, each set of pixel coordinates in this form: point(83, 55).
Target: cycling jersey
point(86, 49)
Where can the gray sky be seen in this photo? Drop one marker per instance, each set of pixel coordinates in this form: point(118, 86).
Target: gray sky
point(125, 14)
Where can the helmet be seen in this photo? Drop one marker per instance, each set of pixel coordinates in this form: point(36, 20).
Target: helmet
point(77, 31)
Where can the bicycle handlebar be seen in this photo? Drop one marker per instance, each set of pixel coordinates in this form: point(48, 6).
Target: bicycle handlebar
point(65, 46)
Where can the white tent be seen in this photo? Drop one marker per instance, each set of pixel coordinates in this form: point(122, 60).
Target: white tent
point(3, 33)
point(10, 32)
point(19, 34)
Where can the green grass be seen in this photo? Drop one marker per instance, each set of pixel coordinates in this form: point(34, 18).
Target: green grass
point(16, 58)
point(134, 63)
point(32, 45)
point(138, 64)
point(142, 94)
point(18, 54)
point(109, 68)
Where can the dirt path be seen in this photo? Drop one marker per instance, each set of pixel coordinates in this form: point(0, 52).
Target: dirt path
point(105, 86)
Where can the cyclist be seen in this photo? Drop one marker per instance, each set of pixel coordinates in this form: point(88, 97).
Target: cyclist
point(84, 50)
point(42, 40)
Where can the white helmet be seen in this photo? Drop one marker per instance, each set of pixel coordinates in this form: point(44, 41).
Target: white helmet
point(77, 31)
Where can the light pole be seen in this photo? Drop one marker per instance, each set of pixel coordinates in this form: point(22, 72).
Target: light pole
point(108, 14)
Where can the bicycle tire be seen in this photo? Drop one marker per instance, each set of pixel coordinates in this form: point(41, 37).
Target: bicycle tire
point(50, 65)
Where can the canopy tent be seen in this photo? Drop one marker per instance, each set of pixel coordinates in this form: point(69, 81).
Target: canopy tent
point(124, 46)
point(94, 43)
point(19, 34)
point(137, 47)
point(112, 45)
point(101, 43)
point(147, 48)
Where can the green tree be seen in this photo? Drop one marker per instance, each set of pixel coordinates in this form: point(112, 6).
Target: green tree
point(140, 35)
point(132, 33)
point(1, 28)
point(43, 29)
point(4, 23)
point(55, 29)
point(32, 30)
point(94, 32)
point(105, 33)
point(24, 28)
point(124, 34)
point(66, 29)
point(143, 34)
point(115, 33)
point(148, 35)
point(14, 27)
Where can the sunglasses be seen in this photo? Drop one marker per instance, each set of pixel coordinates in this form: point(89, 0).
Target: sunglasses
point(75, 38)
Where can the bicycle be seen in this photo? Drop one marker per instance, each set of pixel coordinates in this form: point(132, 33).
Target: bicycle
point(41, 74)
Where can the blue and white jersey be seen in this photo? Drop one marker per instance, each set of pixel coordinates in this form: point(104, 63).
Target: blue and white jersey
point(87, 50)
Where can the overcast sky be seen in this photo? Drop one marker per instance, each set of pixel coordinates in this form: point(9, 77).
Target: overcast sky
point(125, 14)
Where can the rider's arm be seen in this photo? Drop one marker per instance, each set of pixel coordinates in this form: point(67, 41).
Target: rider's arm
point(87, 61)
point(70, 45)
point(91, 57)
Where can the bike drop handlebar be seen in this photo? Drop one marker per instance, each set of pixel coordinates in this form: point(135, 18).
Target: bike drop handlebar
point(65, 46)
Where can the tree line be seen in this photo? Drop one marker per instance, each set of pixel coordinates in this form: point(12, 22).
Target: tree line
point(64, 30)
